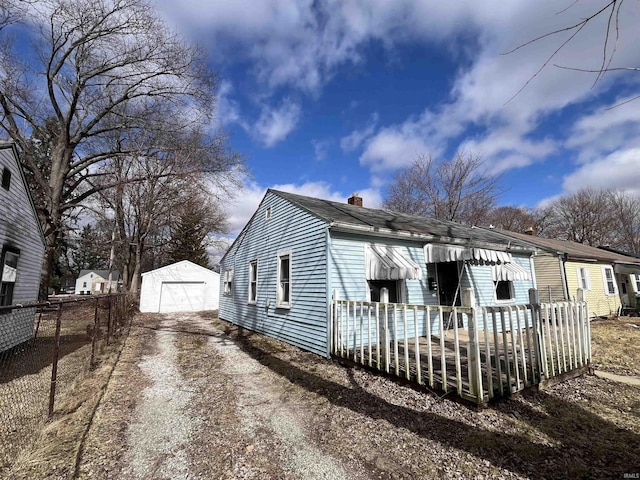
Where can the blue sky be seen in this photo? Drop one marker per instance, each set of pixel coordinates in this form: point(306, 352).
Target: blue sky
point(327, 98)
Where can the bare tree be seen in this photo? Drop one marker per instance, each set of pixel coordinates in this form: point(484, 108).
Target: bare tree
point(460, 190)
point(586, 216)
point(101, 68)
point(626, 208)
point(515, 219)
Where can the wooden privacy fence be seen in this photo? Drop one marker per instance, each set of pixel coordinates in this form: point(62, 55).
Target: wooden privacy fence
point(478, 352)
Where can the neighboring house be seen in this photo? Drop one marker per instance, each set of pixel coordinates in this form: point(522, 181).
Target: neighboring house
point(94, 282)
point(609, 279)
point(22, 247)
point(180, 287)
point(297, 253)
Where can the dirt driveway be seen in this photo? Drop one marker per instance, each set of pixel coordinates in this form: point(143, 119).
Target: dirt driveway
point(195, 397)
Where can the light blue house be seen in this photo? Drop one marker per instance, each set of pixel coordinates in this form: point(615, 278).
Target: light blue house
point(298, 253)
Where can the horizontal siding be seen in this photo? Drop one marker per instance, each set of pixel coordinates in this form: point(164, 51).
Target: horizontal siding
point(600, 304)
point(19, 228)
point(549, 278)
point(289, 228)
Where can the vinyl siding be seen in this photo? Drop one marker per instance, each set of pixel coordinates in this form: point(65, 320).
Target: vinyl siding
point(599, 302)
point(19, 228)
point(549, 277)
point(293, 229)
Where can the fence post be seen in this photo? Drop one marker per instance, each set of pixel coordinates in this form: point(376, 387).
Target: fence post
point(54, 365)
point(109, 320)
point(534, 301)
point(473, 347)
point(95, 334)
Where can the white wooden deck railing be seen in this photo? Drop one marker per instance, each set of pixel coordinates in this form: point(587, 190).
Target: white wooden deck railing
point(480, 352)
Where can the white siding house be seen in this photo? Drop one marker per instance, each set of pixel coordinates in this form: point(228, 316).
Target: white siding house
point(22, 248)
point(180, 287)
point(95, 282)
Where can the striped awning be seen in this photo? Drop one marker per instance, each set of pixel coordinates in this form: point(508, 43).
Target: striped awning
point(509, 272)
point(383, 262)
point(435, 253)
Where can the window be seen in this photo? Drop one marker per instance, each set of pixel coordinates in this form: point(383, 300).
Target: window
point(584, 281)
point(283, 295)
point(267, 213)
point(637, 280)
point(84, 284)
point(253, 281)
point(227, 280)
point(376, 292)
point(9, 275)
point(6, 178)
point(504, 290)
point(609, 280)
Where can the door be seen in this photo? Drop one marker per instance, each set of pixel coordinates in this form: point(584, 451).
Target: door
point(181, 297)
point(448, 279)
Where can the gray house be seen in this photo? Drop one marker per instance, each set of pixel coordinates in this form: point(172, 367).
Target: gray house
point(22, 243)
point(298, 253)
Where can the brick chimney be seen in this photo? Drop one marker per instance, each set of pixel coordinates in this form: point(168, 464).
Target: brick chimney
point(355, 199)
point(530, 231)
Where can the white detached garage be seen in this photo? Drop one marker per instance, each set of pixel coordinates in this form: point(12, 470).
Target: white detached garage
point(180, 287)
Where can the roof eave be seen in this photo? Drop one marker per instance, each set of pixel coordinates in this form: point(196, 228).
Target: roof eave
point(405, 235)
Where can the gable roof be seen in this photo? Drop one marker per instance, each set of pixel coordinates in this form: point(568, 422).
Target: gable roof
point(573, 250)
point(388, 223)
point(181, 262)
point(115, 274)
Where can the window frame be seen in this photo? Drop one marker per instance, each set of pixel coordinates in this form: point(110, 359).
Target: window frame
point(253, 282)
point(636, 282)
point(606, 281)
point(279, 288)
point(227, 282)
point(10, 286)
point(512, 291)
point(584, 282)
point(6, 178)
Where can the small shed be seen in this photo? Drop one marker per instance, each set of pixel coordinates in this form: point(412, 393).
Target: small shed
point(180, 287)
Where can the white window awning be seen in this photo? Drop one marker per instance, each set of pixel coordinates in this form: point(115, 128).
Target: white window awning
point(383, 262)
point(435, 253)
point(509, 272)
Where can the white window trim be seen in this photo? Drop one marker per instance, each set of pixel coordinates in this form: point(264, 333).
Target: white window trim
point(587, 287)
point(267, 213)
point(400, 289)
point(605, 281)
point(512, 289)
point(279, 302)
point(251, 301)
point(636, 283)
point(227, 285)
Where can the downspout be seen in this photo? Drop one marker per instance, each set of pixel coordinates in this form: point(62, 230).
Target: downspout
point(562, 261)
point(328, 294)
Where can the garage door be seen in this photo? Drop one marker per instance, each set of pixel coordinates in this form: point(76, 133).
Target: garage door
point(181, 296)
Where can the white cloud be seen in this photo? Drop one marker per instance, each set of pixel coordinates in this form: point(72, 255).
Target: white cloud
point(321, 148)
point(353, 141)
point(620, 170)
point(274, 125)
point(228, 110)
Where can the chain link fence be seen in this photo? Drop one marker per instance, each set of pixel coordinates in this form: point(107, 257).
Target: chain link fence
point(45, 349)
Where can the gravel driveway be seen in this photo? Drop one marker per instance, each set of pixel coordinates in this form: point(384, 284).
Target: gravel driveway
point(195, 397)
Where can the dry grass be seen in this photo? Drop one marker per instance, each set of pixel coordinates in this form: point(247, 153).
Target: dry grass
point(616, 345)
point(78, 391)
point(584, 428)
